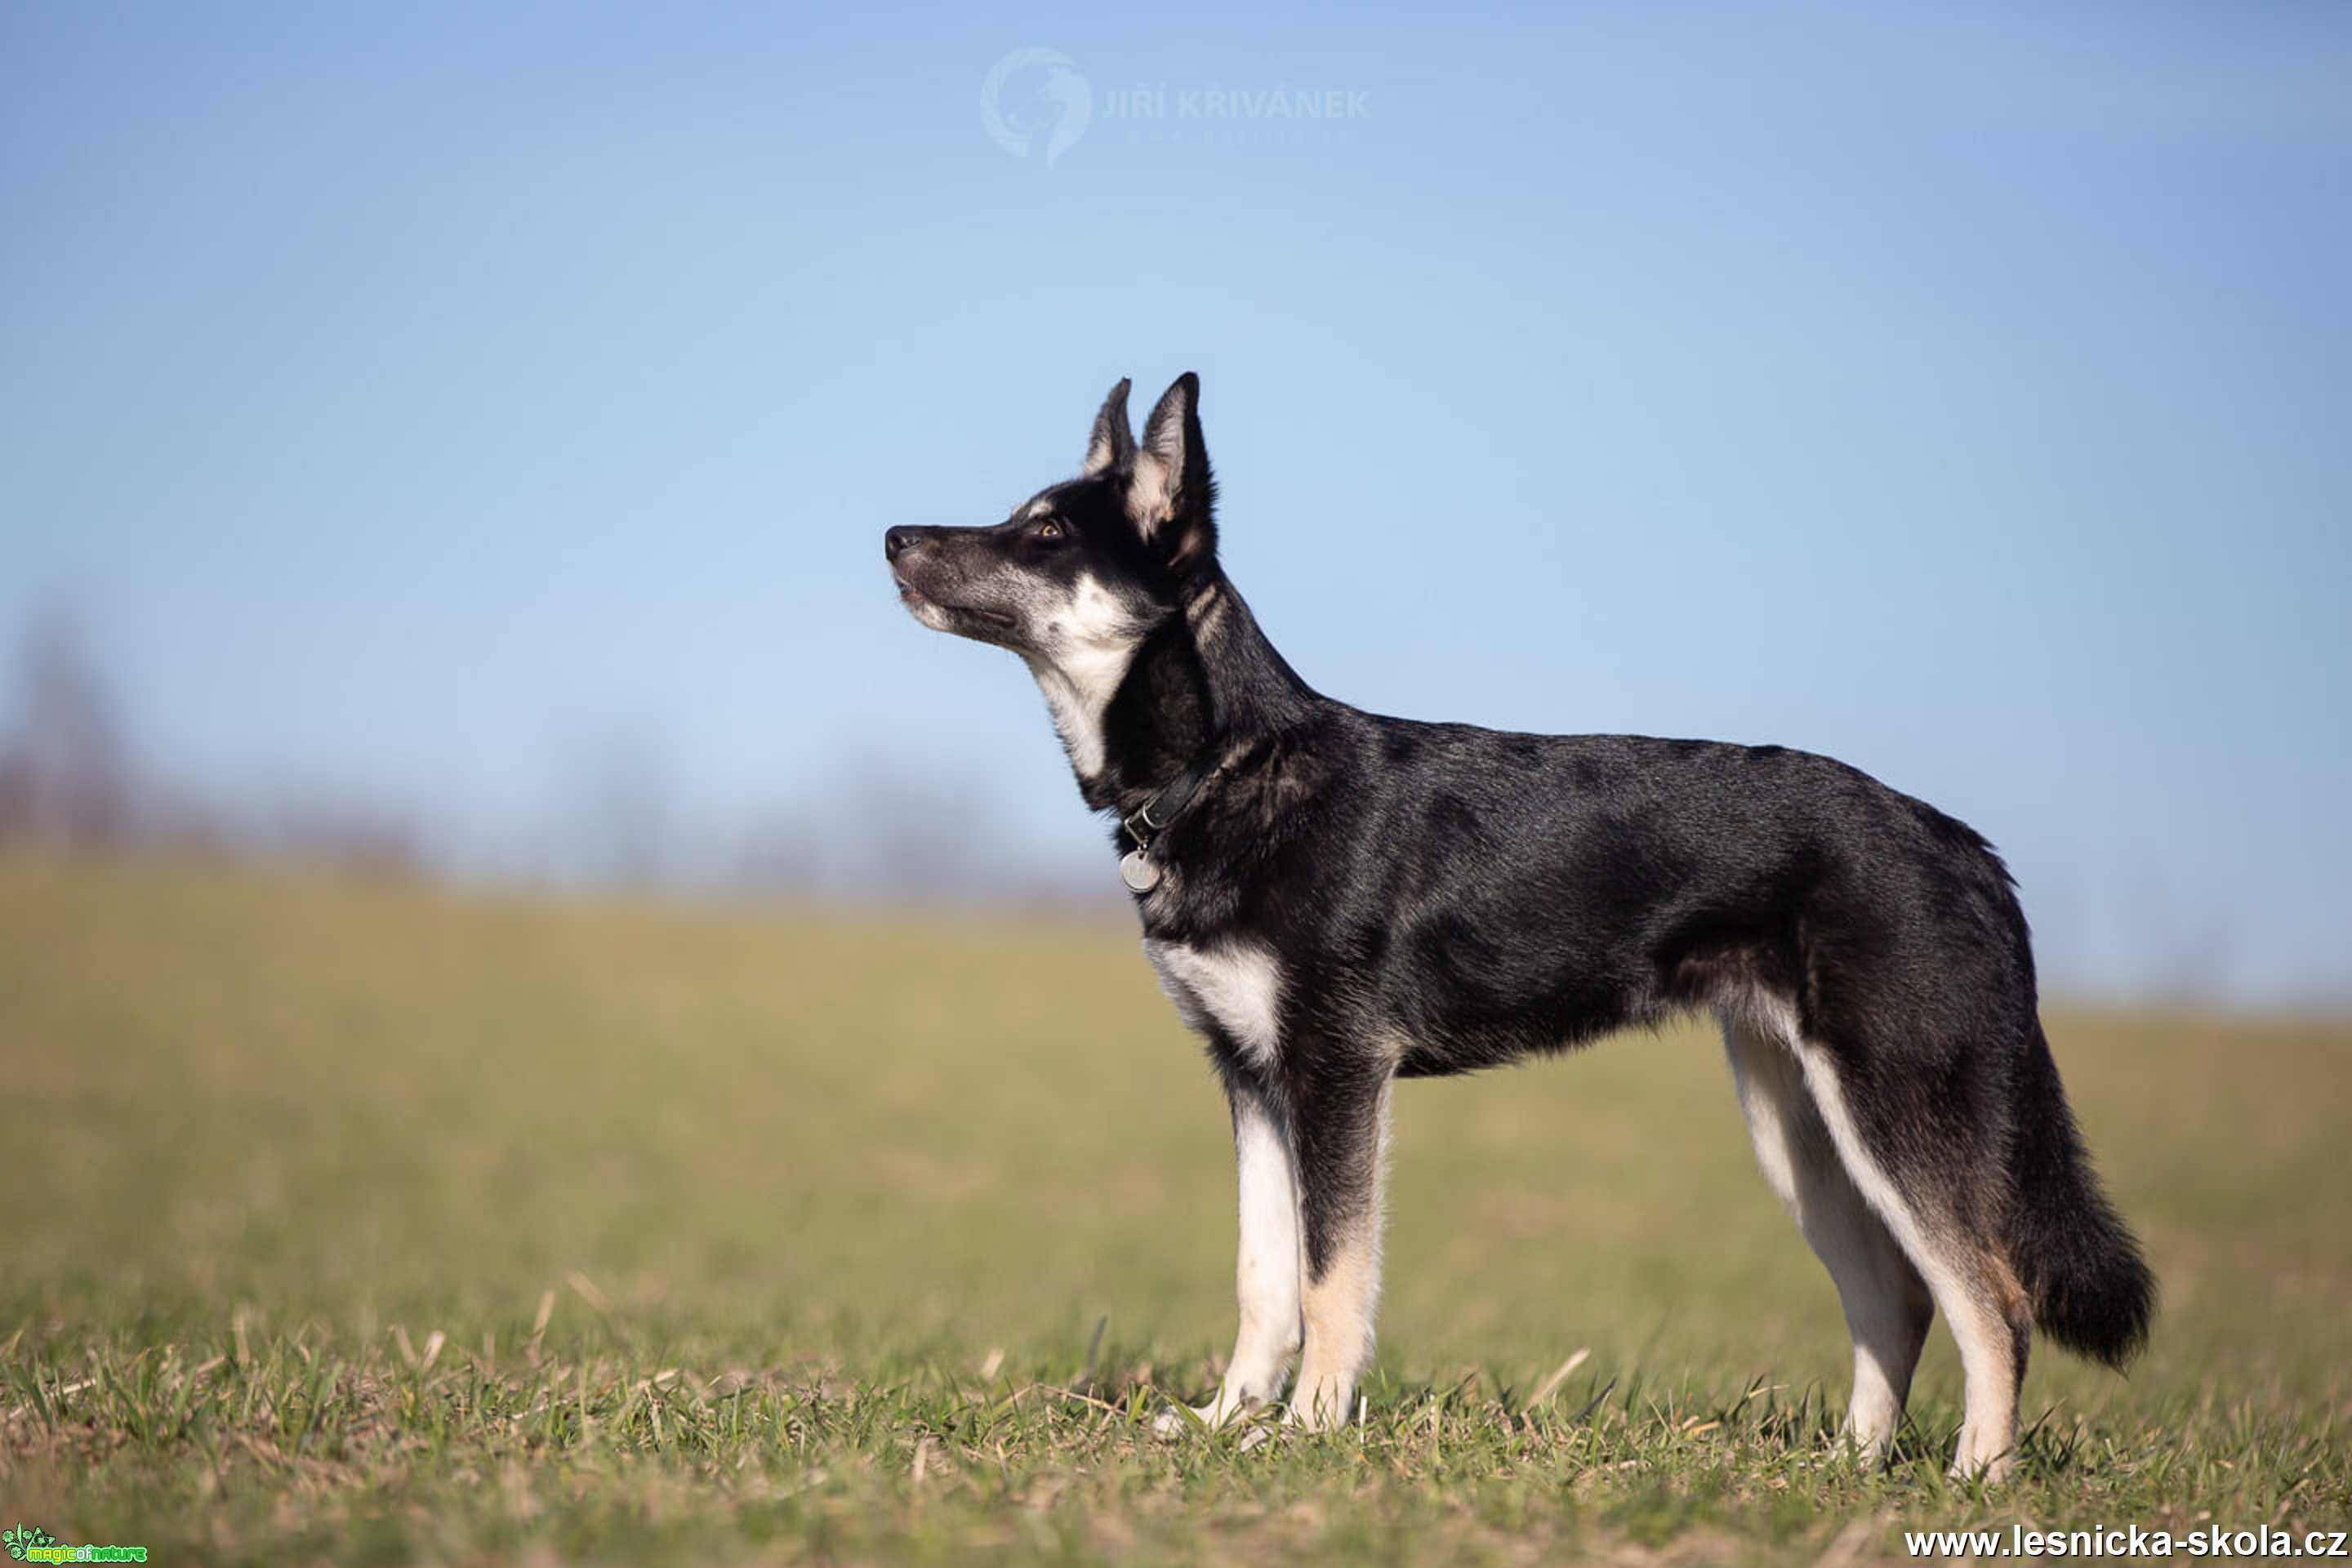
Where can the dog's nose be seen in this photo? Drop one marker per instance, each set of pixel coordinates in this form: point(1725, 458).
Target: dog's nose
point(898, 540)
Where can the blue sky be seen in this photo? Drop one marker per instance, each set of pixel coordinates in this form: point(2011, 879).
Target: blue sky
point(417, 400)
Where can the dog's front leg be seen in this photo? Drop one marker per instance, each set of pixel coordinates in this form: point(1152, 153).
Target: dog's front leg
point(1339, 1122)
point(1265, 1273)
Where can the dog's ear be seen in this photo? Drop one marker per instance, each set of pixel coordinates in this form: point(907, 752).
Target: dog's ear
point(1173, 496)
point(1112, 445)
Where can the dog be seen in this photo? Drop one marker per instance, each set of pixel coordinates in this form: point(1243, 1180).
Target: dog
point(1335, 901)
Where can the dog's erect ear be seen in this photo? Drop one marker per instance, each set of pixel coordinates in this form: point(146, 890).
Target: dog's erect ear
point(1172, 497)
point(1112, 444)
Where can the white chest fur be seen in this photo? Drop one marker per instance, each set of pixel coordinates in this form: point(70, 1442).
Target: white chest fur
point(1234, 988)
point(1085, 646)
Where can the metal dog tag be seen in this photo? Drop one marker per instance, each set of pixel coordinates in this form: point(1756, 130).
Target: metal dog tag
point(1137, 872)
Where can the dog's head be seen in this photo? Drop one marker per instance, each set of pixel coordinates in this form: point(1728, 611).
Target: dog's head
point(1083, 571)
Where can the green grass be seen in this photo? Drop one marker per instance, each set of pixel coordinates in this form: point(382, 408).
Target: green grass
point(371, 1224)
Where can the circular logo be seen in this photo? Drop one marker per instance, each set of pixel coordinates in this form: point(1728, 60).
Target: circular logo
point(1036, 98)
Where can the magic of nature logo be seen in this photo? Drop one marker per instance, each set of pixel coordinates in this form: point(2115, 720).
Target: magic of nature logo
point(31, 1543)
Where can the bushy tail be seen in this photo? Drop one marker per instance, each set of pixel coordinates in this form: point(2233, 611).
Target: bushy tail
point(2091, 1288)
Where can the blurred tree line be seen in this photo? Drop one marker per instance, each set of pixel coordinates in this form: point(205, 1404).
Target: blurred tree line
point(73, 781)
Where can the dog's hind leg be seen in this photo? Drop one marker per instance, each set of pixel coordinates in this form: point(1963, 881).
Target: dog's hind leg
point(1887, 1307)
point(1928, 1186)
point(1342, 1149)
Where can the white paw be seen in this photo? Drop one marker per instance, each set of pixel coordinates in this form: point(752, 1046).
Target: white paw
point(1970, 1466)
point(1263, 1430)
point(1865, 1448)
point(1178, 1421)
point(1327, 1410)
point(1182, 1420)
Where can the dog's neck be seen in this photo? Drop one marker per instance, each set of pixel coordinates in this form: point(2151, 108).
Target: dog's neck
point(1205, 680)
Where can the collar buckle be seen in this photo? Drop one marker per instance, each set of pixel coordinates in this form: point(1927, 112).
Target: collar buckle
point(1141, 827)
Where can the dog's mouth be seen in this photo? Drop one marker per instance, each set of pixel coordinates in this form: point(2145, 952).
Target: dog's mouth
point(913, 598)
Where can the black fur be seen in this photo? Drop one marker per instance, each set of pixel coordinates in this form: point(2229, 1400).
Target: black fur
point(2091, 1289)
point(1444, 899)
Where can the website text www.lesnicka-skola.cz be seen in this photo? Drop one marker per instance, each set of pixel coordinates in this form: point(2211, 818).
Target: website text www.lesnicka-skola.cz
point(2206, 1541)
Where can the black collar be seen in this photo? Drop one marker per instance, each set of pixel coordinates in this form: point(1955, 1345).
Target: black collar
point(1147, 822)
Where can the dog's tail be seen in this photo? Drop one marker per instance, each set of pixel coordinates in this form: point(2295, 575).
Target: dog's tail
point(2090, 1287)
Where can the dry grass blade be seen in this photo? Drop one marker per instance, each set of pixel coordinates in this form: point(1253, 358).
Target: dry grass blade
point(587, 1291)
point(1094, 1350)
point(1560, 1374)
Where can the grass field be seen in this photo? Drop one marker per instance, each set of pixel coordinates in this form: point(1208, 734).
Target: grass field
point(369, 1225)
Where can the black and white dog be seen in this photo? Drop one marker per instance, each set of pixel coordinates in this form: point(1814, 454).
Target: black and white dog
point(1336, 900)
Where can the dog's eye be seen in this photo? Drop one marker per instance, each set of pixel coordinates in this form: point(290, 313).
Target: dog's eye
point(1047, 530)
